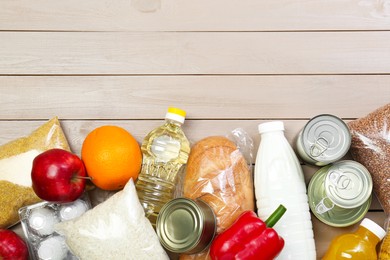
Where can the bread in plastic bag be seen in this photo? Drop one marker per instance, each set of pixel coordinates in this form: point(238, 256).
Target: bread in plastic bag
point(15, 168)
point(219, 174)
point(370, 146)
point(115, 229)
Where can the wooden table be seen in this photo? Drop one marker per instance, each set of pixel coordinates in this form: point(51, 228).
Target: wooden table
point(229, 64)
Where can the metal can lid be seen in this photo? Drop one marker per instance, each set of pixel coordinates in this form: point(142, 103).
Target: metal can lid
point(326, 138)
point(348, 184)
point(182, 226)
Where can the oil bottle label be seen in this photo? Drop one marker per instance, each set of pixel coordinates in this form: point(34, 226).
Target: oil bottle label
point(165, 148)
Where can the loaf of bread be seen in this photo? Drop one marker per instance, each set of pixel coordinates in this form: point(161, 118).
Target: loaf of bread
point(218, 173)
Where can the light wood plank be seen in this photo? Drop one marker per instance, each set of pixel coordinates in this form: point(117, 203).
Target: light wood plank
point(205, 97)
point(76, 131)
point(195, 53)
point(152, 56)
point(187, 15)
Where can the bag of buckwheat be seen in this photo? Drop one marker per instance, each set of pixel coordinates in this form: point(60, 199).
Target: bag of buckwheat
point(371, 147)
point(15, 168)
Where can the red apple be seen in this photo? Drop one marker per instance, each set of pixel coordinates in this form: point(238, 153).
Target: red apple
point(12, 246)
point(58, 176)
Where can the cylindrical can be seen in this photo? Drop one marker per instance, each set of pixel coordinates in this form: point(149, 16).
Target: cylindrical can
point(340, 193)
point(186, 226)
point(323, 140)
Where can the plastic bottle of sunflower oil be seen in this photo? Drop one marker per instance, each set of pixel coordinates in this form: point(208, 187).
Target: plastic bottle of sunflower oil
point(165, 150)
point(279, 180)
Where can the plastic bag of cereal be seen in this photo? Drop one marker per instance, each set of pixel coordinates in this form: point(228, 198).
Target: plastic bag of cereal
point(371, 147)
point(15, 168)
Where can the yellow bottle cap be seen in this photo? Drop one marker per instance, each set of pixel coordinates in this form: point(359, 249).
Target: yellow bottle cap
point(177, 111)
point(176, 114)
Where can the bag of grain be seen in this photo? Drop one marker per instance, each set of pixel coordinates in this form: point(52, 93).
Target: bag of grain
point(114, 229)
point(371, 147)
point(15, 168)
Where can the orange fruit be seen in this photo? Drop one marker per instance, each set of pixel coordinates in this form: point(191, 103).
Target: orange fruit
point(111, 156)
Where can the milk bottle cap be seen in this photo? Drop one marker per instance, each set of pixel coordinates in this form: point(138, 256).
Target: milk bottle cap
point(176, 114)
point(271, 126)
point(348, 184)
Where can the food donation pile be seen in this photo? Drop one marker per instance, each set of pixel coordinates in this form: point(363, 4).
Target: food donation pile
point(170, 199)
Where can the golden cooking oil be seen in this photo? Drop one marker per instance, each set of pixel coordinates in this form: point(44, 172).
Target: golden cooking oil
point(165, 151)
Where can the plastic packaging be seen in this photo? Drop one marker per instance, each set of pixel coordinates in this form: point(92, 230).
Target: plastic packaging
point(165, 150)
point(384, 253)
point(115, 229)
point(279, 180)
point(371, 147)
point(38, 223)
point(219, 173)
point(15, 168)
point(360, 245)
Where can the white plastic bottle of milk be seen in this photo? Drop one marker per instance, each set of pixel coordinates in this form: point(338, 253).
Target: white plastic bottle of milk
point(279, 180)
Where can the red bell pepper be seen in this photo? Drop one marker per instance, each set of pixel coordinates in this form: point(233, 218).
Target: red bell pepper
point(249, 238)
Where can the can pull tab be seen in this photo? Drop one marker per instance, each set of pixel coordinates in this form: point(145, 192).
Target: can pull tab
point(324, 206)
point(319, 147)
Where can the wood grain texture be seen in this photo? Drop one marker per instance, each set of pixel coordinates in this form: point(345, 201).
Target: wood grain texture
point(76, 131)
point(203, 97)
point(194, 53)
point(229, 64)
point(187, 15)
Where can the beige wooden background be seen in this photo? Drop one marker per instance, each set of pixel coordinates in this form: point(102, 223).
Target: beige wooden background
point(229, 64)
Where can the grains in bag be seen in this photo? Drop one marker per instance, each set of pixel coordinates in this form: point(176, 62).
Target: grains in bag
point(15, 168)
point(371, 147)
point(114, 229)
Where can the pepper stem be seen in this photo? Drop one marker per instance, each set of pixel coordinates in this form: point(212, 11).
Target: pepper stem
point(275, 216)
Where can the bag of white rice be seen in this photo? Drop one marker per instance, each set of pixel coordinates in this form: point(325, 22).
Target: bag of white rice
point(114, 229)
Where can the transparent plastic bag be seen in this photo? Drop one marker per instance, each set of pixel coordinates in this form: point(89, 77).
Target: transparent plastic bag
point(371, 147)
point(15, 168)
point(219, 173)
point(115, 229)
point(384, 253)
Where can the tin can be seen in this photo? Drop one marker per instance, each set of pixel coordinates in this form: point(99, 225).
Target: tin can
point(323, 140)
point(186, 226)
point(340, 194)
